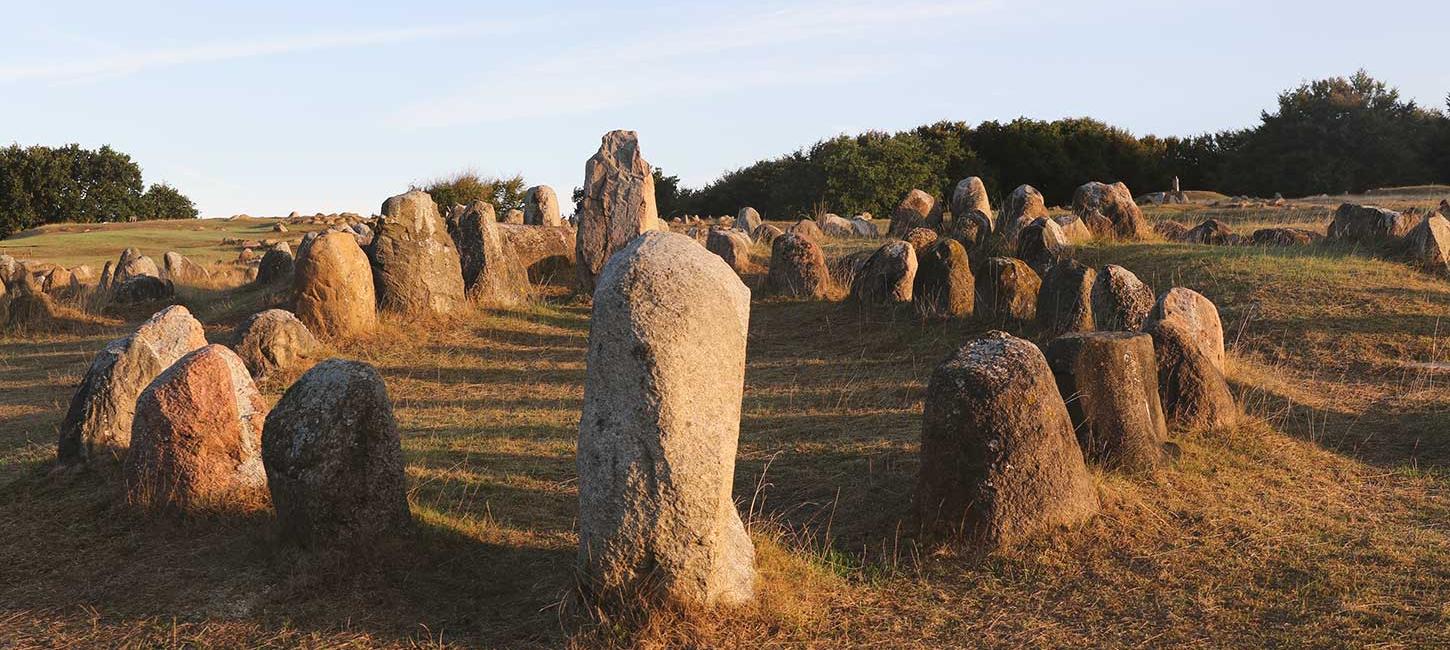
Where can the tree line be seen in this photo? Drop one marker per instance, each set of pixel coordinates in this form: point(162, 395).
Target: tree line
point(1344, 134)
point(41, 185)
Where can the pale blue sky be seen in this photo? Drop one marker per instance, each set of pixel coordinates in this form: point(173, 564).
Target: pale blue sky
point(266, 107)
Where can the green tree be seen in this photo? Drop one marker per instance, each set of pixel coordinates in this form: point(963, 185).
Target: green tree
point(162, 201)
point(465, 187)
point(40, 185)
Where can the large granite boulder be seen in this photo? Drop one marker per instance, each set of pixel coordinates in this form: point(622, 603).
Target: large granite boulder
point(1368, 224)
point(1429, 244)
point(493, 276)
point(1110, 383)
point(747, 220)
point(196, 442)
point(797, 268)
point(808, 229)
point(917, 210)
point(944, 286)
point(541, 207)
point(415, 263)
point(98, 422)
point(333, 287)
point(181, 269)
point(1007, 289)
point(1211, 231)
point(133, 264)
point(1064, 303)
point(1199, 318)
point(1120, 301)
point(1094, 200)
point(1284, 236)
point(274, 340)
point(659, 430)
point(618, 204)
point(333, 458)
point(835, 226)
point(1023, 206)
point(999, 461)
point(1193, 389)
point(277, 265)
point(971, 195)
point(887, 276)
point(1041, 244)
point(731, 245)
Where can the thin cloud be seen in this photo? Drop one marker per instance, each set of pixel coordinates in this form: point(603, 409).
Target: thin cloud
point(135, 62)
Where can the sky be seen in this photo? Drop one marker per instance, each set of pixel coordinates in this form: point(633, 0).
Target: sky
point(264, 107)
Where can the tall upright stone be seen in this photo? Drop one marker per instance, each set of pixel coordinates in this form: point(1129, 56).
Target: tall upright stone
point(944, 286)
point(797, 268)
point(493, 275)
point(1064, 303)
point(888, 276)
point(1094, 201)
point(999, 461)
point(618, 204)
point(917, 210)
point(660, 426)
point(971, 195)
point(415, 262)
point(541, 207)
point(98, 422)
point(1023, 206)
point(333, 287)
point(1199, 317)
point(747, 220)
point(1110, 382)
point(1121, 302)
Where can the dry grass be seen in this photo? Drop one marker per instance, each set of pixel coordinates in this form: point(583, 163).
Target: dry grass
point(1324, 521)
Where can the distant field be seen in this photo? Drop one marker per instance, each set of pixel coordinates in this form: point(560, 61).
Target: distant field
point(95, 244)
point(1324, 521)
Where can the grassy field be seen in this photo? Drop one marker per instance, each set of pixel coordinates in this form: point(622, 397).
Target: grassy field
point(94, 244)
point(1324, 520)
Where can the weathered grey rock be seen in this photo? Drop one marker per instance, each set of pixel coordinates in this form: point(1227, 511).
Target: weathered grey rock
point(277, 265)
point(1110, 383)
point(540, 245)
point(920, 238)
point(732, 246)
point(835, 226)
point(1211, 231)
point(1077, 231)
point(999, 462)
point(1113, 202)
point(133, 264)
point(333, 458)
point(274, 340)
point(917, 210)
point(1007, 289)
point(333, 286)
point(887, 276)
point(83, 275)
point(493, 275)
point(970, 230)
point(747, 220)
point(971, 195)
point(797, 268)
point(9, 269)
point(766, 233)
point(140, 289)
point(183, 270)
point(1041, 244)
point(1429, 244)
point(618, 204)
point(1120, 301)
point(1064, 303)
point(1368, 224)
point(1199, 318)
point(808, 229)
point(944, 286)
point(196, 441)
point(1284, 237)
point(98, 422)
point(1023, 206)
point(863, 227)
point(1192, 388)
point(659, 430)
point(1171, 230)
point(514, 216)
point(541, 207)
point(415, 262)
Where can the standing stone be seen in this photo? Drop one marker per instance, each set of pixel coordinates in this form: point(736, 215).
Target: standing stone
point(944, 286)
point(1064, 303)
point(183, 270)
point(971, 195)
point(747, 220)
point(862, 227)
point(1007, 289)
point(766, 233)
point(732, 246)
point(10, 269)
point(917, 210)
point(1023, 206)
point(274, 340)
point(618, 204)
point(1077, 231)
point(108, 276)
point(415, 263)
point(1199, 318)
point(1211, 231)
point(493, 275)
point(1041, 244)
point(970, 230)
point(514, 216)
point(999, 462)
point(659, 430)
point(1368, 224)
point(98, 422)
point(797, 268)
point(1193, 389)
point(1429, 244)
point(1120, 301)
point(333, 458)
point(920, 238)
point(887, 277)
point(197, 437)
point(277, 265)
point(1115, 203)
point(808, 229)
point(1110, 383)
point(333, 285)
point(541, 207)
